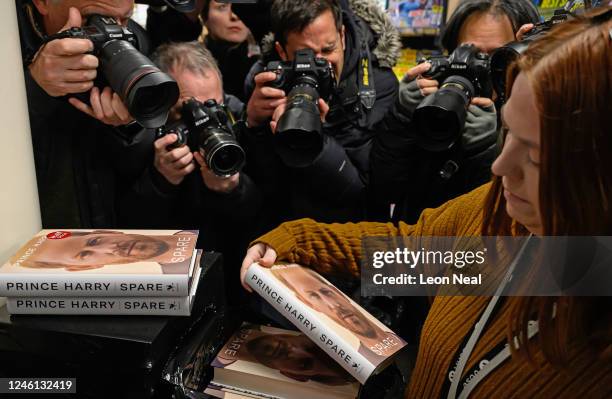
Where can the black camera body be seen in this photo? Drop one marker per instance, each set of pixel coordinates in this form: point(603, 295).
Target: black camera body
point(505, 55)
point(307, 78)
point(463, 75)
point(208, 128)
point(305, 69)
point(467, 61)
point(147, 92)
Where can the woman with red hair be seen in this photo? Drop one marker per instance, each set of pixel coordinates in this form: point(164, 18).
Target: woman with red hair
point(552, 178)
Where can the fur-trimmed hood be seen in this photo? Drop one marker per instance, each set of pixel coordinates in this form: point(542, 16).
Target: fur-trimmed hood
point(388, 42)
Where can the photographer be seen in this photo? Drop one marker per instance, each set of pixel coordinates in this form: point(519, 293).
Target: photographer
point(178, 186)
point(326, 179)
point(74, 143)
point(414, 177)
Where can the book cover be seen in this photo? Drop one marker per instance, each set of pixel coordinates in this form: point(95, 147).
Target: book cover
point(151, 306)
point(271, 362)
point(101, 263)
point(356, 340)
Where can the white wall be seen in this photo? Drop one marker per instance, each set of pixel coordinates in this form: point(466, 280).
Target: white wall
point(19, 211)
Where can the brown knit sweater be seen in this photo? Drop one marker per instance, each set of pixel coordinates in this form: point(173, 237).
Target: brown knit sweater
point(336, 248)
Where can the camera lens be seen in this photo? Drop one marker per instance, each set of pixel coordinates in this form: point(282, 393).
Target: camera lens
point(298, 135)
point(224, 156)
point(440, 117)
point(147, 92)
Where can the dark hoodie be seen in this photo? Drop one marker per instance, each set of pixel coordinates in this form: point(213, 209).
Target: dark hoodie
point(330, 184)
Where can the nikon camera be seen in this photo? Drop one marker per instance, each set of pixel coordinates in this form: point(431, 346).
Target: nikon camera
point(147, 92)
point(306, 79)
point(462, 75)
point(209, 129)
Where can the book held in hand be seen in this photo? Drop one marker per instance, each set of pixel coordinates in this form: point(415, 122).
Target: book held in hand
point(268, 362)
point(101, 263)
point(356, 340)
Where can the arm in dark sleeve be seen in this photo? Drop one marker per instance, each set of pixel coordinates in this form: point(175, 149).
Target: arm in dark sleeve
point(145, 198)
point(238, 206)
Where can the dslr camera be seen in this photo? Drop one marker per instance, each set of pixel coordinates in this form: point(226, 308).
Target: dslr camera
point(208, 128)
point(505, 55)
point(440, 117)
point(147, 92)
point(307, 78)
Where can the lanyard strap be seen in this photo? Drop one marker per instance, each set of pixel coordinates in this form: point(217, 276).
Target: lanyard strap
point(467, 346)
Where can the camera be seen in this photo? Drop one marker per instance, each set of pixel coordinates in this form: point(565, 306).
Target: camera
point(147, 92)
point(208, 128)
point(306, 79)
point(440, 117)
point(505, 55)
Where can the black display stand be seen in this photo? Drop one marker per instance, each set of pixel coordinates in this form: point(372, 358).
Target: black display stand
point(110, 356)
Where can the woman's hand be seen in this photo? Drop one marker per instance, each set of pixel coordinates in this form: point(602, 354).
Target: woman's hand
point(261, 253)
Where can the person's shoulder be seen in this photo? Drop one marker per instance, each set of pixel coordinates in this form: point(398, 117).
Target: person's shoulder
point(234, 104)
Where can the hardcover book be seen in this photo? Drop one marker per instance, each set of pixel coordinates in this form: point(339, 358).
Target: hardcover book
point(356, 340)
point(151, 306)
point(113, 263)
point(268, 362)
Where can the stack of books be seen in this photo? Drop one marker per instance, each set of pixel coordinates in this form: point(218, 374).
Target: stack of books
point(267, 362)
point(339, 346)
point(103, 272)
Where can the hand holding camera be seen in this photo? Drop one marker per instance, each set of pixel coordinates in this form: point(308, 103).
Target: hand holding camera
point(174, 163)
point(147, 92)
point(105, 106)
point(206, 128)
point(464, 76)
point(65, 66)
point(264, 100)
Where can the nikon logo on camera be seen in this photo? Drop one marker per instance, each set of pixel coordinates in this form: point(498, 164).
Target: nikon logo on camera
point(458, 66)
point(302, 66)
point(201, 121)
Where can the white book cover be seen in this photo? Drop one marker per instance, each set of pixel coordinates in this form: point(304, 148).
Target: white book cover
point(149, 306)
point(101, 263)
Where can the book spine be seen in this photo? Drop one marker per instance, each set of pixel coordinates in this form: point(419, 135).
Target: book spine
point(29, 285)
point(158, 306)
point(309, 322)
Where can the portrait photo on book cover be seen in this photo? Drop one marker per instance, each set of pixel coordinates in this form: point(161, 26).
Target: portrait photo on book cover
point(371, 337)
point(288, 353)
point(105, 251)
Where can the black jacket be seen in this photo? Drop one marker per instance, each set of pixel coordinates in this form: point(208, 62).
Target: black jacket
point(234, 63)
point(330, 183)
point(413, 178)
point(74, 154)
point(150, 201)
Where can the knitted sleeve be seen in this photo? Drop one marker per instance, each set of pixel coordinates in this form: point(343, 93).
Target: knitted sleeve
point(336, 248)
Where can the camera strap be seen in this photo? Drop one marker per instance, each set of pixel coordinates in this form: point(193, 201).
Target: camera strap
point(365, 82)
